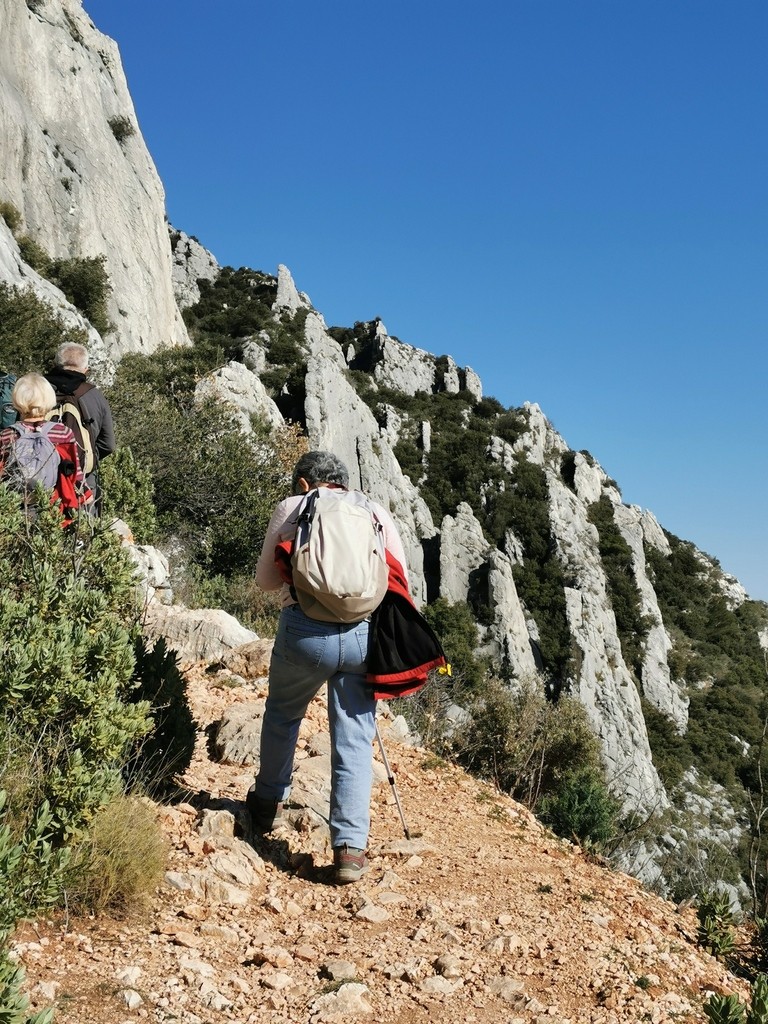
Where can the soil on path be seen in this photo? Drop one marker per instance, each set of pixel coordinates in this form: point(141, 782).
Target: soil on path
point(483, 916)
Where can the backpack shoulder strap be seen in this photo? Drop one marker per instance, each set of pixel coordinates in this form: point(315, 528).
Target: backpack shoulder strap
point(77, 394)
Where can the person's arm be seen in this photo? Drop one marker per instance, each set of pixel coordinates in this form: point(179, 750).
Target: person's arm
point(392, 540)
point(105, 438)
point(267, 574)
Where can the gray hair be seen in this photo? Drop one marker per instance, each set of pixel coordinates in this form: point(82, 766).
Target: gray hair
point(319, 468)
point(72, 356)
point(33, 397)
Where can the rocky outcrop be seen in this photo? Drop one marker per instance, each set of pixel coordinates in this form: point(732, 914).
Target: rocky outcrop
point(289, 298)
point(603, 683)
point(471, 566)
point(473, 384)
point(241, 389)
point(196, 634)
point(463, 552)
point(658, 687)
point(191, 264)
point(508, 636)
point(76, 167)
point(339, 420)
point(402, 367)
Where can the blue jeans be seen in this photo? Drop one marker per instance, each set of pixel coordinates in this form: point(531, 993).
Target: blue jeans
point(308, 653)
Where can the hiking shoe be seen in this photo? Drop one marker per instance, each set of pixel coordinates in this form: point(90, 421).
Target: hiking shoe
point(265, 813)
point(349, 863)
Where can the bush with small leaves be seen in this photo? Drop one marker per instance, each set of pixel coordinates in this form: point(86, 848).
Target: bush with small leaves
point(34, 255)
point(85, 282)
point(10, 215)
point(31, 867)
point(582, 809)
point(122, 127)
point(67, 600)
point(215, 487)
point(30, 330)
point(14, 1003)
point(167, 750)
point(527, 746)
point(128, 494)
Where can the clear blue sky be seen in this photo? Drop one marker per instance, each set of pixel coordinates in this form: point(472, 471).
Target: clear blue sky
point(570, 196)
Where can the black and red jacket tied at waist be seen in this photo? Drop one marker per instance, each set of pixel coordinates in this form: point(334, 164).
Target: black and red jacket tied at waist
point(402, 647)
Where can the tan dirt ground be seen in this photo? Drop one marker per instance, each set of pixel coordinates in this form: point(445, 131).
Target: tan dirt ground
point(483, 917)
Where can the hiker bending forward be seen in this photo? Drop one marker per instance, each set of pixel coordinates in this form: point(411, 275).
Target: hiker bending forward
point(306, 654)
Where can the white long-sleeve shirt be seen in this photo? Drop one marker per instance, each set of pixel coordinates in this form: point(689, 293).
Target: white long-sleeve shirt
point(283, 525)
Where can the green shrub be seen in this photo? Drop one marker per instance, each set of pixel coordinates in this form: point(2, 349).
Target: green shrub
point(68, 655)
point(725, 1009)
point(14, 1004)
point(83, 279)
point(457, 630)
point(34, 255)
point(30, 331)
point(10, 215)
point(632, 626)
point(715, 931)
point(718, 647)
point(582, 809)
point(167, 750)
point(758, 1007)
point(730, 1010)
point(119, 862)
point(526, 744)
point(85, 282)
point(31, 867)
point(524, 509)
point(214, 487)
point(128, 493)
point(122, 127)
point(237, 304)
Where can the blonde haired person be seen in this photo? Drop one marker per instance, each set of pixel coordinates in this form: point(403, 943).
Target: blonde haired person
point(33, 398)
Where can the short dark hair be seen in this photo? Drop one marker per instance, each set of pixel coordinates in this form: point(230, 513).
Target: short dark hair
point(320, 468)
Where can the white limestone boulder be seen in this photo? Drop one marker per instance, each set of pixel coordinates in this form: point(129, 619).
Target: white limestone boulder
point(201, 634)
point(239, 387)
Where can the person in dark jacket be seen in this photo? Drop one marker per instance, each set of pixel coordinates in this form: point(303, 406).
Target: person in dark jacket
point(69, 377)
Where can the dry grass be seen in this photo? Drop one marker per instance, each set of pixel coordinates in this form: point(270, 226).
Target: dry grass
point(117, 867)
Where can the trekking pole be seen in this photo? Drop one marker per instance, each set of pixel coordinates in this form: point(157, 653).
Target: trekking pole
point(391, 780)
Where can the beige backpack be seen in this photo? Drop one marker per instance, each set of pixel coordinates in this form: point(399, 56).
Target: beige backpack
point(338, 557)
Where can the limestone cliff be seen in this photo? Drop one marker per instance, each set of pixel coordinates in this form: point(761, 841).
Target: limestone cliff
point(76, 168)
